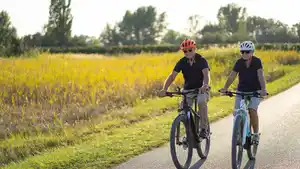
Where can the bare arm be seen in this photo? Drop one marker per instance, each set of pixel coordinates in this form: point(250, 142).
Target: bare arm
point(206, 78)
point(169, 80)
point(230, 79)
point(261, 79)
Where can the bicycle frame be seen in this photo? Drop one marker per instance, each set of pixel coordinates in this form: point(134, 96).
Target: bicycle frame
point(187, 110)
point(243, 111)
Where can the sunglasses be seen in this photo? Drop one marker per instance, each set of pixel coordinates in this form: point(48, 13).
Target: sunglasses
point(245, 51)
point(185, 51)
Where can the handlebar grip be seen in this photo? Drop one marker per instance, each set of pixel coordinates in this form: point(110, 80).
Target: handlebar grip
point(168, 94)
point(222, 92)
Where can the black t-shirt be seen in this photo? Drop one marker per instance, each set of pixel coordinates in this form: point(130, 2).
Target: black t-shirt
point(248, 79)
point(193, 76)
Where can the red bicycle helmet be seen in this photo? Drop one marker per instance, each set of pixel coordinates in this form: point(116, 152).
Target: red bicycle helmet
point(187, 44)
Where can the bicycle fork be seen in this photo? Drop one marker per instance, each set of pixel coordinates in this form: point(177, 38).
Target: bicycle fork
point(178, 135)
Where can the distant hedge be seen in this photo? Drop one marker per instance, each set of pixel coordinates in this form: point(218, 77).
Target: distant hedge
point(279, 46)
point(159, 48)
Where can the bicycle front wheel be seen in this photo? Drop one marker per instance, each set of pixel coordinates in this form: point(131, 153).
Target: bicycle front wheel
point(179, 126)
point(237, 145)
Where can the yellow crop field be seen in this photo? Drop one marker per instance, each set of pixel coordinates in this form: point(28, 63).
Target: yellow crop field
point(59, 87)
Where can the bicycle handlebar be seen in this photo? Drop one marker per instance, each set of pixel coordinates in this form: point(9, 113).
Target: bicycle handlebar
point(178, 92)
point(252, 94)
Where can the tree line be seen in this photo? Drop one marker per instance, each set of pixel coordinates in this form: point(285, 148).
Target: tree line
point(145, 26)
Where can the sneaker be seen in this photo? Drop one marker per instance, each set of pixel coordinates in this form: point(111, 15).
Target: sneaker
point(255, 139)
point(203, 133)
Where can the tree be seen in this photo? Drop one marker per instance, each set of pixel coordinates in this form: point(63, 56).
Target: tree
point(173, 37)
point(210, 28)
point(58, 29)
point(213, 38)
point(35, 40)
point(241, 34)
point(79, 40)
point(144, 26)
point(297, 29)
point(110, 36)
point(194, 23)
point(229, 17)
point(9, 42)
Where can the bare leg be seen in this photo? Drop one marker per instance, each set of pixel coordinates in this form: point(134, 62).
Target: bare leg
point(254, 120)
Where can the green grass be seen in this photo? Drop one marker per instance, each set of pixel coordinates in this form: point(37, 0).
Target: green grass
point(112, 142)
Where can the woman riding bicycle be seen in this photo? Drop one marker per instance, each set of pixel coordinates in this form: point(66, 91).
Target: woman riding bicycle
point(251, 79)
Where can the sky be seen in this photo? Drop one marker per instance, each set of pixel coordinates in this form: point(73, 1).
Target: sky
point(91, 16)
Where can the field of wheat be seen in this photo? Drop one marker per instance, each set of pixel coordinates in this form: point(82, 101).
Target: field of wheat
point(50, 101)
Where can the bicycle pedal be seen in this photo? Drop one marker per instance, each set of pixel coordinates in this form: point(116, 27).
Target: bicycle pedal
point(257, 133)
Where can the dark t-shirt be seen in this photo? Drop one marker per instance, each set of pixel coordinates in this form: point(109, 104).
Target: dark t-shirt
point(248, 79)
point(193, 76)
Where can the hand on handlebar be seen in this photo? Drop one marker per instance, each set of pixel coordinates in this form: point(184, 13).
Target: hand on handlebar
point(204, 88)
point(263, 93)
point(223, 90)
point(162, 93)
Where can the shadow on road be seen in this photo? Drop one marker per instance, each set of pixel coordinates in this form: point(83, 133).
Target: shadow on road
point(250, 164)
point(198, 164)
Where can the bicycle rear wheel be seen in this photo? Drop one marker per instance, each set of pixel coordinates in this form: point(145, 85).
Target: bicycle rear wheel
point(180, 120)
point(237, 138)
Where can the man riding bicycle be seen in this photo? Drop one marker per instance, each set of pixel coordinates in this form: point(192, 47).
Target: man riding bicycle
point(251, 79)
point(195, 70)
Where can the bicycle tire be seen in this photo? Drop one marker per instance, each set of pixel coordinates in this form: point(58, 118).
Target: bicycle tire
point(201, 154)
point(238, 128)
point(176, 122)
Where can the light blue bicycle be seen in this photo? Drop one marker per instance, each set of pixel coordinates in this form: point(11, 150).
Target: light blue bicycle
point(242, 134)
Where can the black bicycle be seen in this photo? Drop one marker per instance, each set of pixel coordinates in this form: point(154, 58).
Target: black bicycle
point(192, 138)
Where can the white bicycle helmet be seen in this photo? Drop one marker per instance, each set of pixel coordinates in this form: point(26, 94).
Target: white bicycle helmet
point(247, 45)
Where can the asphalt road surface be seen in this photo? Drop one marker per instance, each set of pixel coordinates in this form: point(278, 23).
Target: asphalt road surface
point(279, 143)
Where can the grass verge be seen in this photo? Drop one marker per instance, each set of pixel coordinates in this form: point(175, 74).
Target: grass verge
point(20, 147)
